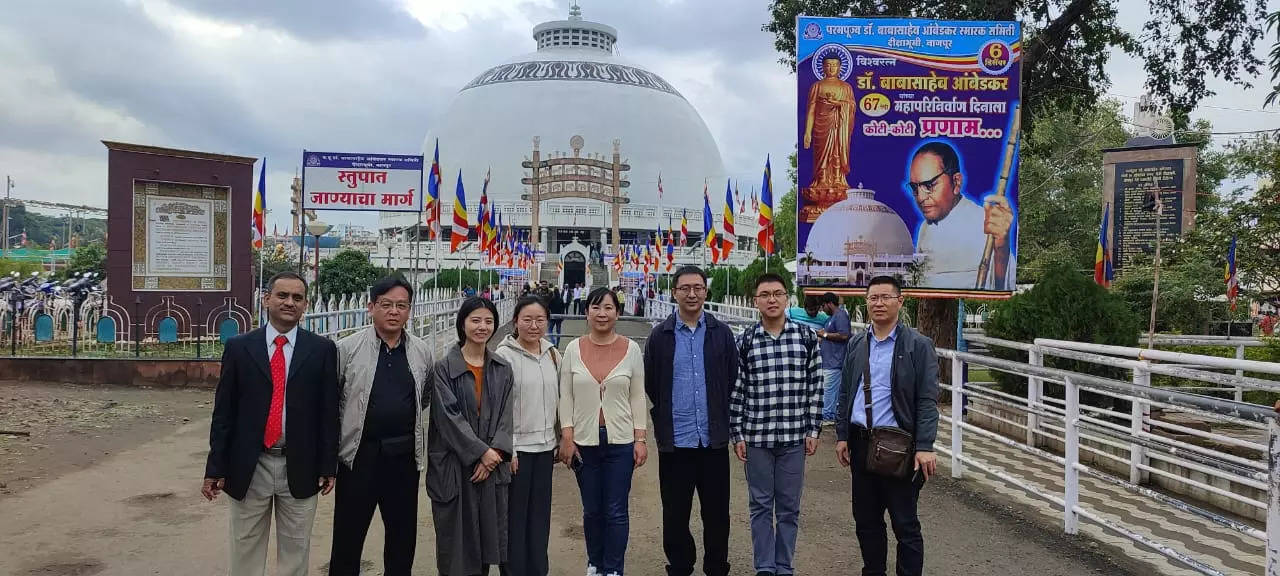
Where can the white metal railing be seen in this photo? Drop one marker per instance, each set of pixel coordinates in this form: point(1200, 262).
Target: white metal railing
point(432, 318)
point(1078, 423)
point(1136, 440)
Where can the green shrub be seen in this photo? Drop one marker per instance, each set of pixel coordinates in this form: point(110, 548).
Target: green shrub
point(1063, 305)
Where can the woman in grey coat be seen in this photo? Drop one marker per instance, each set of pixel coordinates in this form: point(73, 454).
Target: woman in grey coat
point(469, 447)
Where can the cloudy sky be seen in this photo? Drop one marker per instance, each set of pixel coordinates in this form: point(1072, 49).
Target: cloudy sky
point(259, 78)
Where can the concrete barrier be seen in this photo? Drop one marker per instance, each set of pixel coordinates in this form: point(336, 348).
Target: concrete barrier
point(180, 373)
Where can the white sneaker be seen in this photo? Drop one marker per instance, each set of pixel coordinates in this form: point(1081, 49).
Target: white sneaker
point(613, 574)
point(591, 571)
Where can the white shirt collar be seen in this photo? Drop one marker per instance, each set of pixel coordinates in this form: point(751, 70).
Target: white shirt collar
point(291, 335)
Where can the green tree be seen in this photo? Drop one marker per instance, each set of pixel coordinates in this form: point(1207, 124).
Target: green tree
point(746, 278)
point(1068, 43)
point(348, 272)
point(24, 268)
point(273, 262)
point(1060, 188)
point(459, 278)
point(87, 258)
point(784, 215)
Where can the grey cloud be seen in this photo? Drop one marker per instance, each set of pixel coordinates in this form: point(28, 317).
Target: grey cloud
point(317, 19)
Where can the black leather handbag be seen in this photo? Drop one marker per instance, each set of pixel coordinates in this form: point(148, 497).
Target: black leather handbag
point(890, 450)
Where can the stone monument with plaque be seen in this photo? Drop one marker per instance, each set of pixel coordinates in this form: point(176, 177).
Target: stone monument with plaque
point(179, 239)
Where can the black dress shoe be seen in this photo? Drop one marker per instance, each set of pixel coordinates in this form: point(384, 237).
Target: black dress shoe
point(764, 574)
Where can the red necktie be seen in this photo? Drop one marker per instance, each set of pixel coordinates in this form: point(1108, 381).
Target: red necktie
point(275, 418)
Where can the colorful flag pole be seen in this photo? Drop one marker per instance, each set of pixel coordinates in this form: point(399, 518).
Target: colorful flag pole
point(259, 230)
point(1233, 280)
point(1103, 272)
point(765, 208)
point(727, 236)
point(460, 228)
point(708, 228)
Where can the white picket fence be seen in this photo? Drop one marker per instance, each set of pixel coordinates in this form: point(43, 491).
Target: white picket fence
point(433, 316)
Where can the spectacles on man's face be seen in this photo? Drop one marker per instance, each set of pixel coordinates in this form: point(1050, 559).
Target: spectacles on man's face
point(388, 305)
point(775, 295)
point(878, 298)
point(928, 185)
point(691, 288)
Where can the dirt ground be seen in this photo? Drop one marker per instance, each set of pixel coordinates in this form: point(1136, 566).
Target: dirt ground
point(107, 484)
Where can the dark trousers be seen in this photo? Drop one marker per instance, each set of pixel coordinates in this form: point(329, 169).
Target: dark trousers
point(529, 516)
point(680, 473)
point(554, 329)
point(872, 495)
point(389, 482)
point(605, 482)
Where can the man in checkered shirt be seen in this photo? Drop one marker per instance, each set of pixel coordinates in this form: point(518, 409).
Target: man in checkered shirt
point(775, 416)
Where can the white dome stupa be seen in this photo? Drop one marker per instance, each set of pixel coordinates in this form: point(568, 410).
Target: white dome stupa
point(855, 240)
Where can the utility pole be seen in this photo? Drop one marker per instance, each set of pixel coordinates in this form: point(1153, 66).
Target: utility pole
point(8, 187)
point(1155, 276)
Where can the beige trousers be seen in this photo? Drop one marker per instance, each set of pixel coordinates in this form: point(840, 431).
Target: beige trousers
point(251, 519)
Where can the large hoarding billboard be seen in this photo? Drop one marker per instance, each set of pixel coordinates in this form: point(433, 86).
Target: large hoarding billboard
point(908, 157)
point(357, 181)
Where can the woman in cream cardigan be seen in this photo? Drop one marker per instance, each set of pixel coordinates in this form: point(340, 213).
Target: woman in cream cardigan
point(602, 414)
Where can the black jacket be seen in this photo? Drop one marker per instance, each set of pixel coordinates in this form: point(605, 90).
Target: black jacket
point(914, 380)
point(243, 399)
point(720, 357)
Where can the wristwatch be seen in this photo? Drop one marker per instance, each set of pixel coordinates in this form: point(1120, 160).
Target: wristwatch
point(642, 440)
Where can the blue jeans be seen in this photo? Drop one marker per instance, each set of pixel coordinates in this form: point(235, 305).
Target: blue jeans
point(831, 394)
point(605, 482)
point(553, 330)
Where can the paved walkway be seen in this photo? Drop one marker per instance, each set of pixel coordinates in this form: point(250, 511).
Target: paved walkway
point(1221, 548)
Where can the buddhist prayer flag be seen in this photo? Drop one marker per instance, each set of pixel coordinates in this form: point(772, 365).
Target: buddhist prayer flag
point(727, 236)
point(460, 228)
point(434, 180)
point(1233, 281)
point(260, 207)
point(684, 229)
point(482, 231)
point(1102, 270)
point(765, 235)
point(709, 226)
point(659, 186)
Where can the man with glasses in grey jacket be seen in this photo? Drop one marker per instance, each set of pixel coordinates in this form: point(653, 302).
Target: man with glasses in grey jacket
point(381, 451)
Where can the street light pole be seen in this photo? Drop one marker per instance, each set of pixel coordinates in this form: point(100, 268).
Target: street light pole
point(8, 187)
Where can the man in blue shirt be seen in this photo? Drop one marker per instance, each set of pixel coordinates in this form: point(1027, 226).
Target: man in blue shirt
point(904, 394)
point(691, 367)
point(833, 336)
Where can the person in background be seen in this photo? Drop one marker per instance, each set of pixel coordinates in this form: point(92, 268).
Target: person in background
point(811, 315)
point(555, 308)
point(604, 430)
point(903, 390)
point(252, 425)
point(536, 398)
point(486, 294)
point(469, 446)
point(833, 335)
point(468, 291)
point(382, 371)
point(691, 367)
point(578, 294)
point(774, 422)
point(621, 296)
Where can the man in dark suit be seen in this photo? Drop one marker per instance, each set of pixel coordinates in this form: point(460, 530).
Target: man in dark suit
point(273, 442)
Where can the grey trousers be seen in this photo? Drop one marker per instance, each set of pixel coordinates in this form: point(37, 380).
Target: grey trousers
point(251, 519)
point(775, 481)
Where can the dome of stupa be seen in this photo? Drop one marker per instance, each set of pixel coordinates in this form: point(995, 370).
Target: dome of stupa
point(574, 89)
point(858, 225)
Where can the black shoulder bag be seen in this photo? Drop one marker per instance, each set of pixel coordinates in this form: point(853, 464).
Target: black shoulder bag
point(889, 449)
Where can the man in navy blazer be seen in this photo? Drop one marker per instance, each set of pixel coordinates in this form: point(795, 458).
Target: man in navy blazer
point(273, 441)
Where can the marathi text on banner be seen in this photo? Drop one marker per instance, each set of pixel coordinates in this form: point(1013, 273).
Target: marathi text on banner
point(908, 156)
point(348, 181)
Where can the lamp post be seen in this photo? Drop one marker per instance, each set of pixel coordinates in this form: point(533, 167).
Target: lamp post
point(318, 228)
